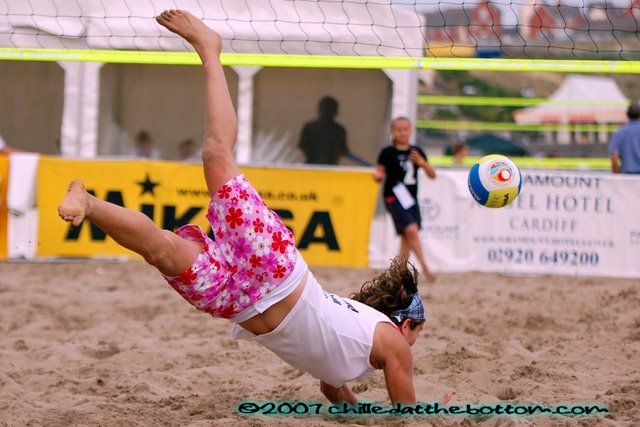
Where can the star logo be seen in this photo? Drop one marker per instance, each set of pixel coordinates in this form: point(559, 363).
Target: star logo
point(147, 186)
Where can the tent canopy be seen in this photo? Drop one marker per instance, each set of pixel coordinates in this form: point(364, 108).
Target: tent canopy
point(105, 107)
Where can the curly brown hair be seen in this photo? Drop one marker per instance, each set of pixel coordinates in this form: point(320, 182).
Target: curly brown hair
point(391, 290)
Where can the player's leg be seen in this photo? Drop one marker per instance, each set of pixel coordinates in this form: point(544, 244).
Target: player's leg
point(220, 120)
point(170, 254)
point(404, 246)
point(411, 238)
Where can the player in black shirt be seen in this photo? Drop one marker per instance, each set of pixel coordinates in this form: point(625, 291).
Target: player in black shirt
point(398, 165)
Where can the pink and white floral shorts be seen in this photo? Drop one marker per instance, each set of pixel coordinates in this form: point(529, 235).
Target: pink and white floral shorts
point(253, 253)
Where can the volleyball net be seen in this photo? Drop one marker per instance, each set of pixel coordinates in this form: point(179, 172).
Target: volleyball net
point(570, 36)
point(504, 35)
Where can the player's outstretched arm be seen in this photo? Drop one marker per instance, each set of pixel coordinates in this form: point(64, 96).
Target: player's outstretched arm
point(392, 354)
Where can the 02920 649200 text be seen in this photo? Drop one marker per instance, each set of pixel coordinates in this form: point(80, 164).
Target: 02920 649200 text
point(565, 257)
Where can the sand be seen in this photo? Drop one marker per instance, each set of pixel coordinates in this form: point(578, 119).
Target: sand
point(110, 344)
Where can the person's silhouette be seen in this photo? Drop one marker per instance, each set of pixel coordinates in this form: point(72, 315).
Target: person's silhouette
point(324, 141)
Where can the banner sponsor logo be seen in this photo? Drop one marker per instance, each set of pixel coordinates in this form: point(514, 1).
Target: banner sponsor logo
point(571, 223)
point(330, 224)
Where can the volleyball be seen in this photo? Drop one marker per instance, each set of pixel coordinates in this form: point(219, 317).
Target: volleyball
point(494, 181)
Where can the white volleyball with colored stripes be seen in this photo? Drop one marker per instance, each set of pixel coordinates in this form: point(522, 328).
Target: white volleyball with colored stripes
point(495, 181)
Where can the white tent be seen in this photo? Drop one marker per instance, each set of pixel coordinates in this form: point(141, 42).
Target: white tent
point(105, 105)
point(579, 99)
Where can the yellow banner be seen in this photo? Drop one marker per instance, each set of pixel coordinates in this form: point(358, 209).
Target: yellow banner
point(4, 216)
point(329, 211)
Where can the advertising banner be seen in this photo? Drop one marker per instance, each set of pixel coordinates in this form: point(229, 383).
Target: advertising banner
point(567, 223)
point(4, 181)
point(329, 211)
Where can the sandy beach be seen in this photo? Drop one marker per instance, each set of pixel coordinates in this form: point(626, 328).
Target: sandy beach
point(110, 344)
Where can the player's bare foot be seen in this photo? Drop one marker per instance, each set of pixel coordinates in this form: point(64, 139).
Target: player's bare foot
point(73, 207)
point(191, 29)
point(428, 275)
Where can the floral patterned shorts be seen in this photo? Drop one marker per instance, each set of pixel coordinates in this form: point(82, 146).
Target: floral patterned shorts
point(253, 253)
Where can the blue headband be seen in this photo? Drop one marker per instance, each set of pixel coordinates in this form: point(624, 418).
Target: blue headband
point(414, 311)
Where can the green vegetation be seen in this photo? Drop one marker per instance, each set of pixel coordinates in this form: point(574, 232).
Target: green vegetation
point(458, 80)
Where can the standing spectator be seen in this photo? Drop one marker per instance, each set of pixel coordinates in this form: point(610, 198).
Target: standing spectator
point(459, 152)
point(5, 149)
point(624, 147)
point(398, 165)
point(188, 151)
point(323, 141)
point(3, 146)
point(145, 147)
